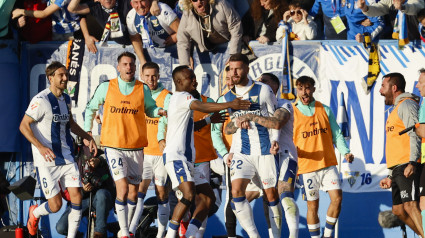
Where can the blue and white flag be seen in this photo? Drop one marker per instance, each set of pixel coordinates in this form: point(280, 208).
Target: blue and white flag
point(342, 118)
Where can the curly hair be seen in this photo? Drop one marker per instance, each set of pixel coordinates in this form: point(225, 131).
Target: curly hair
point(187, 4)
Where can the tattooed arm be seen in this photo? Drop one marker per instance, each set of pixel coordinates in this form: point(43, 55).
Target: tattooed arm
point(231, 128)
point(279, 118)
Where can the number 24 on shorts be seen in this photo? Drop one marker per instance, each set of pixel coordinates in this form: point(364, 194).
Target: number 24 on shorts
point(113, 163)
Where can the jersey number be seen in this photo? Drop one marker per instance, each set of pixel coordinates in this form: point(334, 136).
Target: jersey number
point(310, 181)
point(238, 164)
point(44, 182)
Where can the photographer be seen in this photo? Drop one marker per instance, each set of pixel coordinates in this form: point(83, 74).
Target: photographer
point(97, 180)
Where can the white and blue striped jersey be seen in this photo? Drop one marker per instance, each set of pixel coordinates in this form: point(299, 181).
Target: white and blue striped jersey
point(51, 127)
point(62, 20)
point(286, 136)
point(257, 140)
point(180, 128)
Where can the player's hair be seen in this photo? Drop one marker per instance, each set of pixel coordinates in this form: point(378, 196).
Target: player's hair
point(51, 68)
point(396, 79)
point(127, 54)
point(150, 65)
point(303, 80)
point(239, 57)
point(421, 15)
point(273, 77)
point(422, 71)
point(178, 70)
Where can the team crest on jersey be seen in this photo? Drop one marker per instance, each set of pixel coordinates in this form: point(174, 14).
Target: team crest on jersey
point(155, 22)
point(351, 177)
point(254, 99)
point(70, 88)
point(312, 193)
point(46, 191)
point(34, 105)
point(116, 172)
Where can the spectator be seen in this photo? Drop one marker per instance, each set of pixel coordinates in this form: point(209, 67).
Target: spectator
point(5, 11)
point(208, 23)
point(97, 181)
point(266, 15)
point(391, 7)
point(147, 30)
point(333, 11)
point(301, 24)
point(34, 29)
point(359, 23)
point(421, 19)
point(109, 13)
point(64, 23)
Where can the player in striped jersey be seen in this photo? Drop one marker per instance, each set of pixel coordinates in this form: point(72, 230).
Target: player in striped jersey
point(179, 152)
point(253, 148)
point(47, 125)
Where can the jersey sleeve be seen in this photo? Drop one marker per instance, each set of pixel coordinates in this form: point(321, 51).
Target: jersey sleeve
point(422, 113)
point(36, 109)
point(151, 109)
point(167, 14)
point(130, 22)
point(186, 100)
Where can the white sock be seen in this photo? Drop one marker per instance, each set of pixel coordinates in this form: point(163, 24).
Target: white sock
point(173, 226)
point(193, 228)
point(163, 216)
point(131, 207)
point(201, 230)
point(74, 218)
point(275, 216)
point(314, 230)
point(121, 208)
point(291, 214)
point(330, 225)
point(42, 210)
point(243, 212)
point(137, 213)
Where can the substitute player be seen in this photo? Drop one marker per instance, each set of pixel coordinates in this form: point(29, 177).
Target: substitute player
point(179, 153)
point(47, 125)
point(126, 100)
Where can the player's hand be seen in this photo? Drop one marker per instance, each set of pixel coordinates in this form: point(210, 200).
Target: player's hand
point(385, 183)
point(91, 44)
point(409, 170)
point(91, 144)
point(243, 123)
point(17, 13)
point(98, 119)
point(274, 148)
point(219, 117)
point(162, 112)
point(22, 21)
point(87, 187)
point(171, 40)
point(361, 4)
point(47, 153)
point(263, 39)
point(305, 15)
point(349, 157)
point(228, 158)
point(239, 104)
point(155, 10)
point(359, 38)
point(161, 144)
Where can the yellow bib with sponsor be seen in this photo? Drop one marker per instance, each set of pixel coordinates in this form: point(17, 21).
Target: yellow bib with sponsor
point(152, 127)
point(124, 118)
point(202, 138)
point(313, 138)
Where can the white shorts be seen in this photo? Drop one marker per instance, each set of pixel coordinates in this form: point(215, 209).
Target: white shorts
point(288, 168)
point(324, 179)
point(153, 168)
point(179, 171)
point(49, 178)
point(125, 164)
point(202, 173)
point(246, 166)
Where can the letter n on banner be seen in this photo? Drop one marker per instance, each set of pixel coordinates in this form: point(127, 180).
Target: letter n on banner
point(74, 61)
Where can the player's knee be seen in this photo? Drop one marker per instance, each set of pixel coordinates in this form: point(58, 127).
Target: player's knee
point(55, 206)
point(187, 201)
point(336, 201)
point(122, 192)
point(398, 210)
point(313, 206)
point(409, 206)
point(237, 192)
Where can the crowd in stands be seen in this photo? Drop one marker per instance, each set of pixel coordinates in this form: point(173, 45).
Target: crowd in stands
point(206, 23)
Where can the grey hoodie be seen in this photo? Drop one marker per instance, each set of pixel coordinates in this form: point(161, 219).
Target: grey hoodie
point(408, 113)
